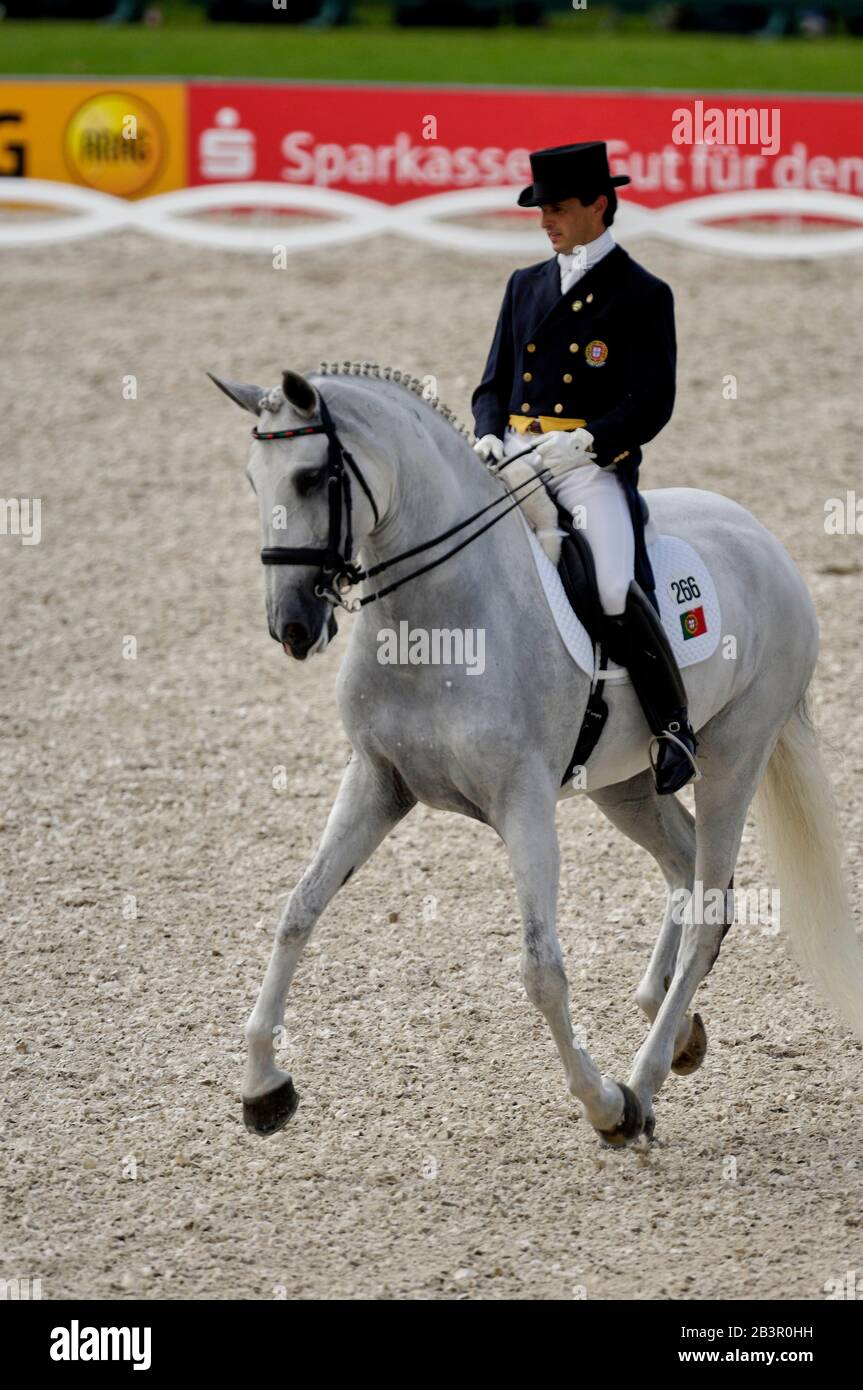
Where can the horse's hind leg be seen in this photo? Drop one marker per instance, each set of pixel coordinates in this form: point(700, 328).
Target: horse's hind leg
point(527, 827)
point(722, 799)
point(371, 800)
point(664, 827)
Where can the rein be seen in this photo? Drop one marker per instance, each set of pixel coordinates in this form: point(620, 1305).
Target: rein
point(338, 573)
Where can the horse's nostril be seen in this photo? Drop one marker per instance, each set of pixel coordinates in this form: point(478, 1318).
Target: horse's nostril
point(296, 640)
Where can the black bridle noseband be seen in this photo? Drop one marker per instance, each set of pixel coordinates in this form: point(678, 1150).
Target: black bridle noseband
point(338, 573)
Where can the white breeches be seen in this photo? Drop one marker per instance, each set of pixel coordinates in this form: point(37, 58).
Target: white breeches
point(598, 505)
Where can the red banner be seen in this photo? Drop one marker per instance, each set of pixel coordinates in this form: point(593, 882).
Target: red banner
point(398, 143)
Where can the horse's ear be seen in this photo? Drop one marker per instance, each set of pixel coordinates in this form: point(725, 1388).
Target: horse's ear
point(249, 397)
point(299, 393)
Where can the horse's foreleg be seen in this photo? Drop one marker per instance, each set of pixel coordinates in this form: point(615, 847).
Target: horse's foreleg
point(370, 802)
point(529, 833)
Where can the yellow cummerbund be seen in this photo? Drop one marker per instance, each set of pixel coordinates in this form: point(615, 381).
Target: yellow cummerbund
point(546, 423)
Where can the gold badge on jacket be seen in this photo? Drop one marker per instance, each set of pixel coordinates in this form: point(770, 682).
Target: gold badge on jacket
point(595, 353)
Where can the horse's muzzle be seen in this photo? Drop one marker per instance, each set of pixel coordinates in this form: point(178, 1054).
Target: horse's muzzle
point(305, 632)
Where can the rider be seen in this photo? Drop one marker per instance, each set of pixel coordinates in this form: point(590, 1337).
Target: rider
point(584, 353)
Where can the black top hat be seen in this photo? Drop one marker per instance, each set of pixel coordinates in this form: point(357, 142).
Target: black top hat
point(569, 171)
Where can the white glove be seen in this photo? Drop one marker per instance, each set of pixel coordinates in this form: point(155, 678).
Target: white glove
point(562, 450)
point(489, 447)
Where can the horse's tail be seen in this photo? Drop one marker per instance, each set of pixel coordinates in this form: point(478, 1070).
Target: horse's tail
point(797, 818)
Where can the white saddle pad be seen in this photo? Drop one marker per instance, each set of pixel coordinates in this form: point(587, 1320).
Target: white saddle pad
point(688, 603)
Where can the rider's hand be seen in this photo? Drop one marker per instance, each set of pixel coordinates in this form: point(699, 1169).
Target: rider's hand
point(562, 450)
point(489, 447)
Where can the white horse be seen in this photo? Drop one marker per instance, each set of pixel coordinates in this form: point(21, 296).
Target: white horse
point(494, 746)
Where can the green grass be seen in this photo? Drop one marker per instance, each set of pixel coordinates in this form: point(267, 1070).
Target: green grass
point(576, 50)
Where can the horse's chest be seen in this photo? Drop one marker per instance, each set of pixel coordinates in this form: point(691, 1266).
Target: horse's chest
point(430, 736)
point(421, 735)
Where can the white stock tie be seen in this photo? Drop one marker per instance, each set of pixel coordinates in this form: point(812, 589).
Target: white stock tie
point(572, 267)
point(583, 258)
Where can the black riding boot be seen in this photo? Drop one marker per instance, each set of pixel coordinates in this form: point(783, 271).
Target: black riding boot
point(637, 640)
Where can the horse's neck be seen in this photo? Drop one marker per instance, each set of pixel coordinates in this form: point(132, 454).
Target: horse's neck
point(435, 488)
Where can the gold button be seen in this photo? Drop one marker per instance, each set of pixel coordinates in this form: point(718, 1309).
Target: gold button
point(525, 405)
point(573, 347)
point(558, 410)
point(527, 376)
point(589, 299)
point(576, 306)
point(567, 376)
point(531, 347)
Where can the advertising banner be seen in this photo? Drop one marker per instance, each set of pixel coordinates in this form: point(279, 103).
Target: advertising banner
point(123, 138)
point(339, 161)
point(397, 143)
point(392, 143)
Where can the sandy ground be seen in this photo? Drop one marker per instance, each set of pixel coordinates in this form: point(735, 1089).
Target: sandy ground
point(435, 1153)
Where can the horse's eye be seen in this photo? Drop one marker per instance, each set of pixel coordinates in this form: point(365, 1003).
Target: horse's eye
point(309, 480)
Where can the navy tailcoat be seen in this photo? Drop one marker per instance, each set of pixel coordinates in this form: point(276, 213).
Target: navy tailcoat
point(605, 352)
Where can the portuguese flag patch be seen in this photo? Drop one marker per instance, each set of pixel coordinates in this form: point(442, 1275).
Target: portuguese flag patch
point(693, 623)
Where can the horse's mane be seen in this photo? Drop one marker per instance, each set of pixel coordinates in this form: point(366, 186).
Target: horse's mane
point(410, 383)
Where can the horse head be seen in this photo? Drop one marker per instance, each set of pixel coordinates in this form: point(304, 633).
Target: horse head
point(294, 470)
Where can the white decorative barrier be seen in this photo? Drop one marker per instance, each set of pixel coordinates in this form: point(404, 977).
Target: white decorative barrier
point(351, 217)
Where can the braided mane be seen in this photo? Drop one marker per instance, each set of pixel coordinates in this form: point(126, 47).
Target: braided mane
point(410, 383)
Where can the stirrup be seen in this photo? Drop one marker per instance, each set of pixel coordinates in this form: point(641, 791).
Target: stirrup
point(666, 733)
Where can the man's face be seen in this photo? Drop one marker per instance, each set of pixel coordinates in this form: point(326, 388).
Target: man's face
point(570, 224)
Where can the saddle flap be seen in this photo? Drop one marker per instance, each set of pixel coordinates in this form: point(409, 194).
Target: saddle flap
point(578, 577)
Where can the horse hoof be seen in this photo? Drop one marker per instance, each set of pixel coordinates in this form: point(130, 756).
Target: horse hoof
point(631, 1123)
point(268, 1114)
point(694, 1051)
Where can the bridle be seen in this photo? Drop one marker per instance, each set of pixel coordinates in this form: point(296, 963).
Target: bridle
point(337, 571)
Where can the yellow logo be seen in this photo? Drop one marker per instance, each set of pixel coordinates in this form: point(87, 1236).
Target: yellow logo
point(116, 143)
